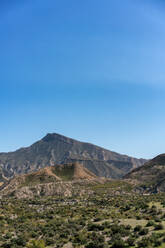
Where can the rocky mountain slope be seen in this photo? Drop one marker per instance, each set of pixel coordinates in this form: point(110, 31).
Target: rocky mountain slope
point(151, 176)
point(57, 149)
point(65, 180)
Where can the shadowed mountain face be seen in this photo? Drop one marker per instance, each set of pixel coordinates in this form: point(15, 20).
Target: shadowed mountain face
point(57, 149)
point(151, 176)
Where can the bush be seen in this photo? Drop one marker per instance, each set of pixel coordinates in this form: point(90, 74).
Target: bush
point(120, 229)
point(95, 227)
point(144, 243)
point(159, 227)
point(36, 244)
point(150, 223)
point(138, 228)
point(130, 241)
point(144, 231)
point(157, 219)
point(119, 244)
point(94, 245)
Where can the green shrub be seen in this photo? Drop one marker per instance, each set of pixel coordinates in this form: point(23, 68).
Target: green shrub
point(119, 244)
point(36, 244)
point(138, 228)
point(159, 227)
point(150, 223)
point(144, 231)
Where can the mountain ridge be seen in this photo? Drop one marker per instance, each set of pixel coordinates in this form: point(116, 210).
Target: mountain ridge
point(59, 149)
point(151, 176)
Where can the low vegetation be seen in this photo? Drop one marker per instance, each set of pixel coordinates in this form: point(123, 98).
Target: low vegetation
point(112, 216)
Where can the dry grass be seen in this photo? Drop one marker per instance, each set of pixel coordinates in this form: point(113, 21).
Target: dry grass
point(133, 222)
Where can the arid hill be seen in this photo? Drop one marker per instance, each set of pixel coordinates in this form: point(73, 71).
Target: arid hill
point(151, 176)
point(67, 179)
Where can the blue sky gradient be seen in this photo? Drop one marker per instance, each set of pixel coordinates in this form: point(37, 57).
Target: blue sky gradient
point(91, 70)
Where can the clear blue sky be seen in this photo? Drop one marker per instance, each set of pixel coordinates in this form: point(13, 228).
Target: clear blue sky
point(93, 70)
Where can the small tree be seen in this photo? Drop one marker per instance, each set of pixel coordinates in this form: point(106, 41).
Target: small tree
point(119, 244)
point(36, 244)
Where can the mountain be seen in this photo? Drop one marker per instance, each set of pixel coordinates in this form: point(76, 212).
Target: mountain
point(57, 149)
point(64, 180)
point(151, 176)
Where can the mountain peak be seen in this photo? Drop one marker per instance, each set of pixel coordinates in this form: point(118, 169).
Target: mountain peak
point(58, 149)
point(50, 137)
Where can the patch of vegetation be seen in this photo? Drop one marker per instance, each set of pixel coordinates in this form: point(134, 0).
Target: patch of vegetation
point(103, 219)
